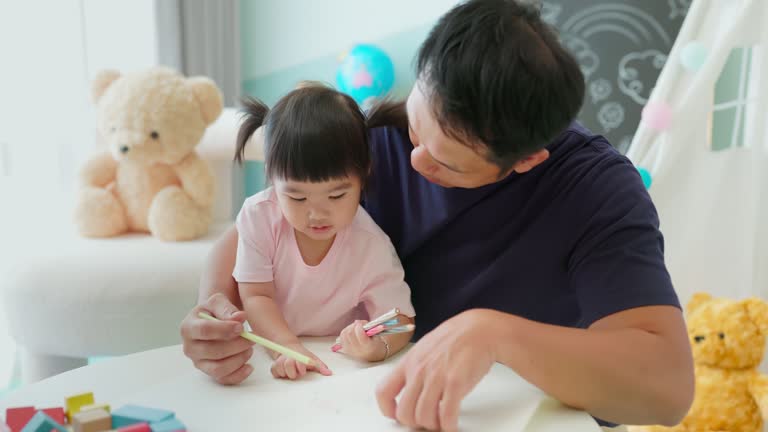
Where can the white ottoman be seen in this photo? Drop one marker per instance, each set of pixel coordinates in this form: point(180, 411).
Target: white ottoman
point(68, 298)
point(75, 298)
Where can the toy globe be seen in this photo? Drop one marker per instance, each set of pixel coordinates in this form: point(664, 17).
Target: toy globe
point(366, 72)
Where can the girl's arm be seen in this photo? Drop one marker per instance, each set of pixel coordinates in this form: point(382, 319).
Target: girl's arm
point(395, 341)
point(264, 315)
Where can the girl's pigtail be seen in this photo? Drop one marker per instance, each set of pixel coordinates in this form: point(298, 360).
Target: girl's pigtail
point(254, 113)
point(387, 113)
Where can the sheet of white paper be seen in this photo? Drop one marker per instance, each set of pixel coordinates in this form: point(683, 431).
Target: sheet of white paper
point(344, 402)
point(502, 401)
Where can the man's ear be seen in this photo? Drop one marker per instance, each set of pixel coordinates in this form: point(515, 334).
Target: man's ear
point(530, 162)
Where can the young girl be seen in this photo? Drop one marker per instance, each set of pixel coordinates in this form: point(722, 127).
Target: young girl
point(310, 260)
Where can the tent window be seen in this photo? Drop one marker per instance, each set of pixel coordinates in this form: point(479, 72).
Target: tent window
point(731, 104)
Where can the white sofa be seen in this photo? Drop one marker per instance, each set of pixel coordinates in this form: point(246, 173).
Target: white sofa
point(68, 298)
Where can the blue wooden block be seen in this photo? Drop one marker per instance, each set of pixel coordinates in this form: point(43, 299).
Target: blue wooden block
point(132, 414)
point(169, 425)
point(42, 422)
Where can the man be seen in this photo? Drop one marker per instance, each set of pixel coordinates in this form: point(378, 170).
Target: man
point(525, 239)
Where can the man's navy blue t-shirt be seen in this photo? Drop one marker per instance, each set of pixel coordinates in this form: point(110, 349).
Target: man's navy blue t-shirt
point(573, 240)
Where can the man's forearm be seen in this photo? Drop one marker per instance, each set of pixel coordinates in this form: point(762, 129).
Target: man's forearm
point(626, 375)
point(217, 274)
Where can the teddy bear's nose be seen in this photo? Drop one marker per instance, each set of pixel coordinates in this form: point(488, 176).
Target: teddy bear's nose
point(124, 149)
point(698, 338)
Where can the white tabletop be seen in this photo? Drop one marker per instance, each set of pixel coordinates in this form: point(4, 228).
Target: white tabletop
point(165, 378)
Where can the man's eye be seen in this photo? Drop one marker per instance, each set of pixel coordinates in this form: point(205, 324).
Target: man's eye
point(335, 197)
point(298, 199)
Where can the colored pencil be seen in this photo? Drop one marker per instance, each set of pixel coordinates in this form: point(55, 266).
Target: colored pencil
point(268, 343)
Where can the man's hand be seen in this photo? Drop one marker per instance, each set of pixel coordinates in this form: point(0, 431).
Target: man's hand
point(215, 347)
point(437, 373)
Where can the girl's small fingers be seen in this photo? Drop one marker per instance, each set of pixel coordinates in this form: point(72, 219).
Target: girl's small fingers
point(360, 335)
point(278, 369)
point(321, 367)
point(301, 368)
point(290, 368)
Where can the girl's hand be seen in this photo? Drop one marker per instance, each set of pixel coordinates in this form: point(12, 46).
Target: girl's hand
point(287, 368)
point(357, 344)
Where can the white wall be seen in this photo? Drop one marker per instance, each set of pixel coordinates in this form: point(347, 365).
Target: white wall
point(51, 50)
point(120, 34)
point(292, 32)
point(42, 84)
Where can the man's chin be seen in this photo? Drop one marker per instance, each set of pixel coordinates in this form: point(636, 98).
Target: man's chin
point(436, 181)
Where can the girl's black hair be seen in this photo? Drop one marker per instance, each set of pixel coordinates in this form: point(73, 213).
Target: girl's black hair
point(315, 133)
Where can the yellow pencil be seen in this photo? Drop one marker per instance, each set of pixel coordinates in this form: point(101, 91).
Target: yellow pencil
point(268, 343)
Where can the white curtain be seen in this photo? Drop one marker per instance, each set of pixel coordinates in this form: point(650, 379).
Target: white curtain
point(713, 204)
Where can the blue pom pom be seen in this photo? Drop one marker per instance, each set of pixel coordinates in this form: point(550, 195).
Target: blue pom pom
point(646, 176)
point(693, 55)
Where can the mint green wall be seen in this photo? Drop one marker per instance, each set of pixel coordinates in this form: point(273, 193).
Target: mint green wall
point(401, 43)
point(401, 48)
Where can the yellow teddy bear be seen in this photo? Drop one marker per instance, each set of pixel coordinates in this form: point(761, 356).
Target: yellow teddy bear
point(728, 341)
point(151, 179)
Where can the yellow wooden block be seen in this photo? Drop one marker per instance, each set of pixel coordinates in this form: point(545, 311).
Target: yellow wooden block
point(103, 406)
point(74, 403)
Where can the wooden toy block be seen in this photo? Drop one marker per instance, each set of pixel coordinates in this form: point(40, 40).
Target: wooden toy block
point(170, 425)
point(103, 406)
point(138, 427)
point(41, 422)
point(94, 420)
point(75, 402)
point(131, 414)
point(18, 417)
point(57, 414)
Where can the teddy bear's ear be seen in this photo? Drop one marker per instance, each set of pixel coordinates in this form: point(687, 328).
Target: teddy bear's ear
point(758, 313)
point(697, 301)
point(208, 97)
point(102, 82)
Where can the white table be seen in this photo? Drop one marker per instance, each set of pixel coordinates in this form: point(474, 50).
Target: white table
point(165, 378)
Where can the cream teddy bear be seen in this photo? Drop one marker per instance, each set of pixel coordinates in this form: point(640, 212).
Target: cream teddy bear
point(728, 341)
point(151, 179)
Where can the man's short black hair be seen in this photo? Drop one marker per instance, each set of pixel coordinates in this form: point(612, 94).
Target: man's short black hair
point(496, 75)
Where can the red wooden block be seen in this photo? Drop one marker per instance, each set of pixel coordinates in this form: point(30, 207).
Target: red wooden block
point(138, 427)
point(55, 413)
point(17, 418)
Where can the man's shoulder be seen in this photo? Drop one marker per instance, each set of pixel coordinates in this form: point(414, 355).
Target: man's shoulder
point(388, 138)
point(579, 154)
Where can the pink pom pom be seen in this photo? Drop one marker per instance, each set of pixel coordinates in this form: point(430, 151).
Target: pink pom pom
point(657, 115)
